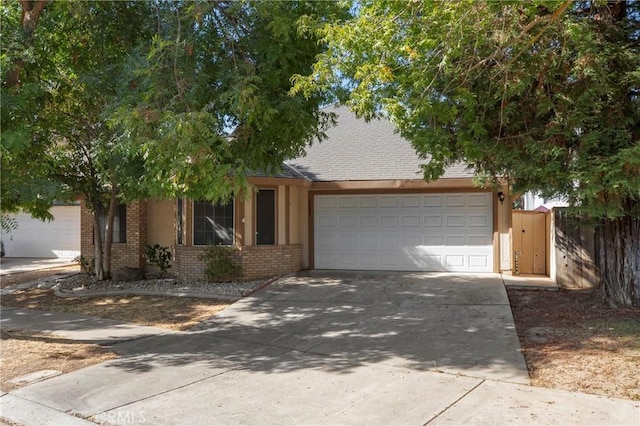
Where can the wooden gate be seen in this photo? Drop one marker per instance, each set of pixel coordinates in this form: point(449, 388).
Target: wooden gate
point(529, 238)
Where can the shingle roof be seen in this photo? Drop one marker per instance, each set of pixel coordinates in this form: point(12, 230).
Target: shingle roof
point(287, 172)
point(357, 150)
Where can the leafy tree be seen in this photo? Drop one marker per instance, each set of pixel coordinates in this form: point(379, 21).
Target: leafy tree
point(208, 98)
point(118, 101)
point(542, 95)
point(64, 72)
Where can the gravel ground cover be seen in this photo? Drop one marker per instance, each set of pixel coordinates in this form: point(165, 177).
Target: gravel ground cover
point(80, 284)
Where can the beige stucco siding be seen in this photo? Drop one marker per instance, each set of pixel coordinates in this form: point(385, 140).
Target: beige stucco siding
point(160, 222)
point(294, 215)
point(281, 215)
point(303, 224)
point(248, 221)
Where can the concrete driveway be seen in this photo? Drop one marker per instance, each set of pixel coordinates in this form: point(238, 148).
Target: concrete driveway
point(338, 348)
point(14, 265)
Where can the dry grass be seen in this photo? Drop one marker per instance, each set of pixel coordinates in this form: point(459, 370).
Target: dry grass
point(24, 277)
point(25, 352)
point(574, 342)
point(176, 313)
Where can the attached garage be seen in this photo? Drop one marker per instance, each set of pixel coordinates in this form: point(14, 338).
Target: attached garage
point(404, 232)
point(35, 238)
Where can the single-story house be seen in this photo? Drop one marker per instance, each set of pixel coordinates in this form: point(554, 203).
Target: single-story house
point(355, 201)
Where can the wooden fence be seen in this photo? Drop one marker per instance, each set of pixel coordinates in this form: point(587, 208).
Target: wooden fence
point(573, 251)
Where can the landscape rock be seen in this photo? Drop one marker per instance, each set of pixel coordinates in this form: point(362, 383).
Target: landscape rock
point(128, 274)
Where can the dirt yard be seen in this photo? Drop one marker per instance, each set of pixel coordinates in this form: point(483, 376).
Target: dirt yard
point(25, 352)
point(24, 277)
point(572, 341)
point(176, 313)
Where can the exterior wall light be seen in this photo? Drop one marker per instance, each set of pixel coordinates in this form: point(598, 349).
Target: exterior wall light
point(501, 197)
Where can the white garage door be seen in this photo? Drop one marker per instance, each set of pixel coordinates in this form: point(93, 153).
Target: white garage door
point(409, 232)
point(35, 238)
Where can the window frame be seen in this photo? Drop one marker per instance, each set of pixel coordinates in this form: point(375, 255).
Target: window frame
point(121, 212)
point(193, 223)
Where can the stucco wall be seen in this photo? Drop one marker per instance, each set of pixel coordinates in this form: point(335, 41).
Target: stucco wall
point(161, 222)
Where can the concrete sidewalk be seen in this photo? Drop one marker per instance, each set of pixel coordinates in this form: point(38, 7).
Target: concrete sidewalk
point(75, 327)
point(353, 348)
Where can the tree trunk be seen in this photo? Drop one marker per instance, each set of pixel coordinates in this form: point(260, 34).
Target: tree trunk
point(108, 235)
point(31, 11)
point(619, 261)
point(97, 244)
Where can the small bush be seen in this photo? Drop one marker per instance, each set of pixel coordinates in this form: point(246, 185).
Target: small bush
point(220, 264)
point(160, 257)
point(87, 267)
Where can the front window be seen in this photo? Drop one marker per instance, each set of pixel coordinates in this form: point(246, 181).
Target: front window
point(212, 223)
point(119, 231)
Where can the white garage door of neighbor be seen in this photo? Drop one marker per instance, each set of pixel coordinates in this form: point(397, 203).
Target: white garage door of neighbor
point(35, 238)
point(408, 232)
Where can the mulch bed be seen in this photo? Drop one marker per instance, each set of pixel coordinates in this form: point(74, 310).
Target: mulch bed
point(574, 341)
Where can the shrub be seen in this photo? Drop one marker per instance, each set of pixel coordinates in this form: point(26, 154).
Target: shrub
point(160, 257)
point(220, 264)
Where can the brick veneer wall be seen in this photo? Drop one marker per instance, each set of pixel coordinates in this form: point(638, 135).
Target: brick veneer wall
point(257, 261)
point(129, 254)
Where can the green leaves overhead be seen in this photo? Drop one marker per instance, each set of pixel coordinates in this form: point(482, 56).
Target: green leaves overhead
point(208, 97)
point(543, 95)
point(146, 98)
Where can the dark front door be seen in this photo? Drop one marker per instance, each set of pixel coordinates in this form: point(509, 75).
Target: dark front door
point(266, 216)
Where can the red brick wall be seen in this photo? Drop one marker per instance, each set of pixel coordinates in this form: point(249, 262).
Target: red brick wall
point(129, 254)
point(257, 261)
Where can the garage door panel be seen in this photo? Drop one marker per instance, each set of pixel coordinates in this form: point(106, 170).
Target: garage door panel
point(35, 238)
point(454, 200)
point(389, 201)
point(415, 232)
point(454, 261)
point(368, 202)
point(433, 221)
point(478, 261)
point(347, 222)
point(368, 222)
point(432, 240)
point(432, 201)
point(455, 240)
point(479, 200)
point(410, 221)
point(478, 220)
point(455, 221)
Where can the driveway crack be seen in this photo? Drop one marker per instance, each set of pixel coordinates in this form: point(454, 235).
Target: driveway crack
point(454, 402)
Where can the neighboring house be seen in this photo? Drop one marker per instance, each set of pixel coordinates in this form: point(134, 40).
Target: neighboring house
point(59, 237)
point(533, 201)
point(355, 201)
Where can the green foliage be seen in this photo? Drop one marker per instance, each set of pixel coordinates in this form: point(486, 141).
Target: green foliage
point(126, 100)
point(208, 96)
point(159, 256)
point(543, 94)
point(220, 264)
point(87, 267)
point(7, 223)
